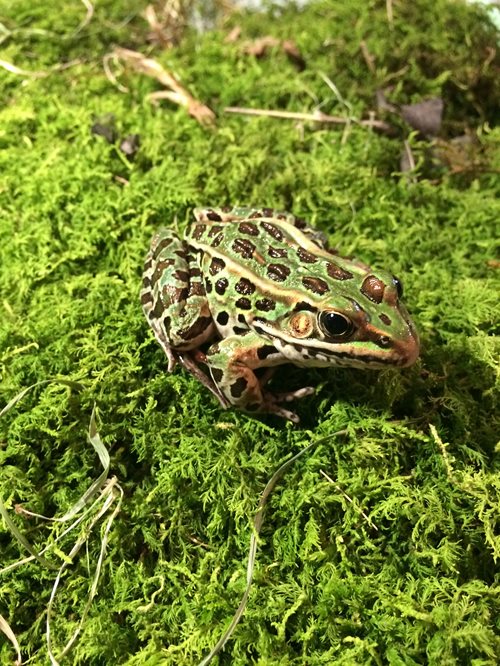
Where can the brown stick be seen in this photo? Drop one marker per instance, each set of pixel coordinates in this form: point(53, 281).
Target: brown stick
point(317, 116)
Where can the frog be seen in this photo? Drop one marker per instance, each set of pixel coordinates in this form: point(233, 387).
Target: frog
point(247, 289)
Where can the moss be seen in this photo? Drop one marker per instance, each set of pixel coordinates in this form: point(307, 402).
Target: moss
point(421, 458)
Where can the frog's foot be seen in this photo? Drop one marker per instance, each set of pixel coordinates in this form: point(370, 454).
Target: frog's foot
point(170, 353)
point(172, 358)
point(191, 362)
point(271, 402)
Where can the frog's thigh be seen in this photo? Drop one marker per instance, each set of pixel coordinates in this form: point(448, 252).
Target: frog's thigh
point(232, 362)
point(173, 294)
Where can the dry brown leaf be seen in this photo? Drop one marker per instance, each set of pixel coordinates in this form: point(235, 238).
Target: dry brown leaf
point(177, 93)
point(259, 47)
point(233, 35)
point(425, 116)
point(293, 53)
point(461, 154)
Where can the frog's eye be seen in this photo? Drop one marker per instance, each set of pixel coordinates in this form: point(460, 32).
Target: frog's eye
point(335, 325)
point(399, 286)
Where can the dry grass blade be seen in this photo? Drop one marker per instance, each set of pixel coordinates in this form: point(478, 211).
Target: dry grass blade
point(176, 92)
point(6, 629)
point(257, 524)
point(21, 72)
point(88, 16)
point(110, 496)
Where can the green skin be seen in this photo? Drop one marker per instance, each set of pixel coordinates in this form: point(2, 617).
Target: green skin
point(256, 288)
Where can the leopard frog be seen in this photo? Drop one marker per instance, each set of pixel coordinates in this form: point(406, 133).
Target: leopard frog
point(249, 289)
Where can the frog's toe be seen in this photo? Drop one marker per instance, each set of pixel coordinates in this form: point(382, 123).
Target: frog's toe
point(273, 408)
point(172, 358)
point(272, 401)
point(288, 396)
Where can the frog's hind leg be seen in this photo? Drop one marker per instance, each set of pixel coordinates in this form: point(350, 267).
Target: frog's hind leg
point(173, 296)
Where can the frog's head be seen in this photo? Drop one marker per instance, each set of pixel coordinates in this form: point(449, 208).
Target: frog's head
point(363, 324)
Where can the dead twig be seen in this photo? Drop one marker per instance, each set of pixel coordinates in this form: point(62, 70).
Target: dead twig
point(368, 57)
point(390, 13)
point(175, 92)
point(317, 116)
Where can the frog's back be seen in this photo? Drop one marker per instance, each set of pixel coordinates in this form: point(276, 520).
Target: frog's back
point(266, 254)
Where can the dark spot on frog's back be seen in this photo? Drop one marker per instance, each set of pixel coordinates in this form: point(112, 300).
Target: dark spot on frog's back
point(277, 252)
point(373, 289)
point(245, 287)
point(243, 303)
point(278, 272)
point(336, 272)
point(221, 286)
point(248, 228)
point(300, 223)
point(306, 257)
point(216, 265)
point(244, 247)
point(217, 240)
point(273, 230)
point(214, 229)
point(315, 284)
point(238, 387)
point(198, 231)
point(213, 216)
point(265, 305)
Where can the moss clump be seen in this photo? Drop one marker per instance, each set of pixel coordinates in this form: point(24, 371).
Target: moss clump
point(421, 458)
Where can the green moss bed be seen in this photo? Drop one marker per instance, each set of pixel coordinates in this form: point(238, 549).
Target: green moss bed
point(394, 560)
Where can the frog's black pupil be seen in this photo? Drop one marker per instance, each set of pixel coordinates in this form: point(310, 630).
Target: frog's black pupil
point(336, 324)
point(398, 285)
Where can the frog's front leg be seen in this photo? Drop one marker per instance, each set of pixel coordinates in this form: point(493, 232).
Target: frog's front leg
point(232, 363)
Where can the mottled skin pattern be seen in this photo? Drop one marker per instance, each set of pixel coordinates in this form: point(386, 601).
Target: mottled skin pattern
point(256, 288)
